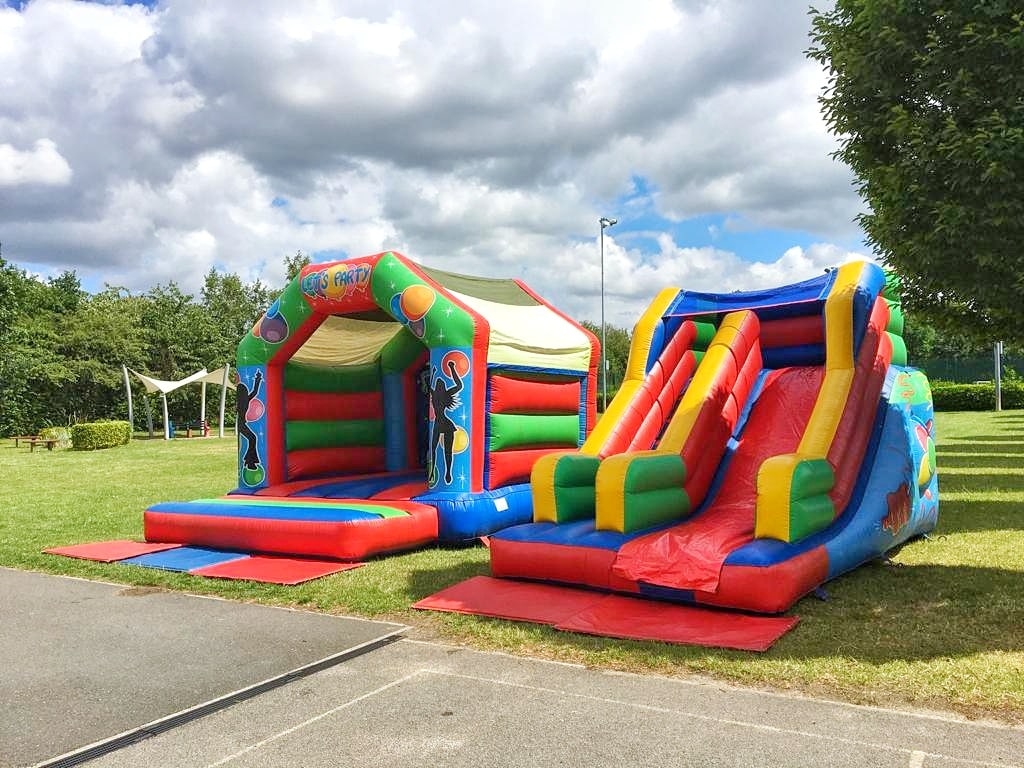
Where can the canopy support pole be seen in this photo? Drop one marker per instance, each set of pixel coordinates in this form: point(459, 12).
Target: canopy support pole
point(202, 403)
point(223, 400)
point(128, 389)
point(167, 423)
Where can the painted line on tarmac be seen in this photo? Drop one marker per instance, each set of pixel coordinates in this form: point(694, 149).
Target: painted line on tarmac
point(727, 721)
point(314, 719)
point(720, 685)
point(917, 759)
point(185, 716)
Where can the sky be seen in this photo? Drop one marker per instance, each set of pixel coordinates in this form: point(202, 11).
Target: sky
point(142, 143)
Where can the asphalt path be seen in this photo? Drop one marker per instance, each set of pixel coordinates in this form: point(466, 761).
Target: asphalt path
point(96, 655)
point(82, 661)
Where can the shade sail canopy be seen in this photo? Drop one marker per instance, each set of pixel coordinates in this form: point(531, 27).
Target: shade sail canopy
point(164, 387)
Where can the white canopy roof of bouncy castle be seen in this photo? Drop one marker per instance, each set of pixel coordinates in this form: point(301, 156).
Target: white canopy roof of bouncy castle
point(524, 329)
point(164, 387)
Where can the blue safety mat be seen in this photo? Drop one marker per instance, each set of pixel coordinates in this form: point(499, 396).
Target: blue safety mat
point(184, 558)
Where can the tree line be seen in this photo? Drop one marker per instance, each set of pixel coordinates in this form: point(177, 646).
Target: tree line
point(62, 348)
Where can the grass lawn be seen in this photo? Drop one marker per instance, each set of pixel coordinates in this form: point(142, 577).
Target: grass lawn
point(941, 627)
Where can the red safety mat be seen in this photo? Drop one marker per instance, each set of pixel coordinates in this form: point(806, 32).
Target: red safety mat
point(506, 599)
point(110, 551)
point(274, 570)
point(636, 619)
point(594, 613)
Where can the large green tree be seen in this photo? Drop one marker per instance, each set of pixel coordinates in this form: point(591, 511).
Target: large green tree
point(927, 99)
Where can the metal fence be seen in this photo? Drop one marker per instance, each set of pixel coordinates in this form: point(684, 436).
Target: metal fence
point(965, 370)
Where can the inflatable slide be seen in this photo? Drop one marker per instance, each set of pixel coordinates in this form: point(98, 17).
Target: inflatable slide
point(763, 443)
point(383, 405)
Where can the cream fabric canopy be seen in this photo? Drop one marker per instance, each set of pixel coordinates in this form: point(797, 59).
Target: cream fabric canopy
point(204, 377)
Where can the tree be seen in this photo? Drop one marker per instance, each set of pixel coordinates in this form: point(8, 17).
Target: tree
point(925, 96)
point(617, 352)
point(294, 264)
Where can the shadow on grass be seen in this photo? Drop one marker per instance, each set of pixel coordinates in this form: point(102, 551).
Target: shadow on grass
point(957, 480)
point(425, 582)
point(881, 613)
point(967, 461)
point(974, 517)
point(971, 446)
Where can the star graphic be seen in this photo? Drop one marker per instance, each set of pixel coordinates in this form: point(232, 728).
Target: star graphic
point(448, 311)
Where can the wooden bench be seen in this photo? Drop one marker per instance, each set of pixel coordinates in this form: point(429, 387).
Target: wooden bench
point(202, 429)
point(16, 438)
point(47, 441)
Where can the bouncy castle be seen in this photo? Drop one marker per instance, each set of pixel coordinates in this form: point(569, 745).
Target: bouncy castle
point(763, 443)
point(383, 405)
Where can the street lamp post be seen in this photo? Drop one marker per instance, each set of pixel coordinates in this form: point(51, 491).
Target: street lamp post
point(605, 223)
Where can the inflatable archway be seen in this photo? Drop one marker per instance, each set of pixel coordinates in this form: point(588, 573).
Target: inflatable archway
point(394, 403)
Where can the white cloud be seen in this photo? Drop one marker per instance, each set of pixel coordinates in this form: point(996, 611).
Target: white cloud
point(42, 164)
point(481, 139)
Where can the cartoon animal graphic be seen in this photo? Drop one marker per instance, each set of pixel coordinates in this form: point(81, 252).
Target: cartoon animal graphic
point(898, 510)
point(443, 399)
point(247, 399)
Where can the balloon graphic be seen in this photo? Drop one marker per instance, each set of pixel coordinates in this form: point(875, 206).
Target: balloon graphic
point(336, 287)
point(418, 328)
point(255, 410)
point(417, 300)
point(396, 308)
point(253, 477)
point(273, 329)
point(461, 441)
point(460, 360)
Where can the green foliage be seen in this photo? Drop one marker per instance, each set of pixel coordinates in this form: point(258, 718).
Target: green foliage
point(926, 100)
point(100, 434)
point(617, 352)
point(61, 349)
point(61, 434)
point(293, 264)
point(949, 396)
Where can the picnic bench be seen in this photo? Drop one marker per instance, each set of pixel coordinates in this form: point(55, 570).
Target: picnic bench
point(17, 438)
point(201, 428)
point(49, 442)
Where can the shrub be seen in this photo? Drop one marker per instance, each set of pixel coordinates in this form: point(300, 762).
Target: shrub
point(61, 434)
point(949, 396)
point(100, 434)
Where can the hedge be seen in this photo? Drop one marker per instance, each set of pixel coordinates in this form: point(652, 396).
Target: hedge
point(61, 434)
point(949, 396)
point(100, 434)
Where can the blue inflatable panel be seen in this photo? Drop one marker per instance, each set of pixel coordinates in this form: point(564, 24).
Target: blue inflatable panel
point(329, 513)
point(465, 516)
point(184, 558)
point(797, 355)
point(870, 285)
point(808, 291)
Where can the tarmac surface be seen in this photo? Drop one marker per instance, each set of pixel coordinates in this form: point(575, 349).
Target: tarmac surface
point(82, 661)
point(412, 703)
